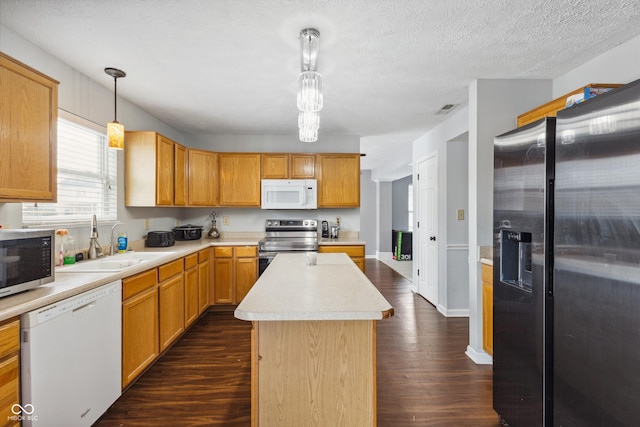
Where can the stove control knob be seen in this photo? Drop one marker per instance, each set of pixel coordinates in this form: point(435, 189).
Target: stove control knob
point(268, 223)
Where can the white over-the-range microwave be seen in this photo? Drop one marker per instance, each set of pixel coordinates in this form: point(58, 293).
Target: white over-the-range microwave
point(289, 194)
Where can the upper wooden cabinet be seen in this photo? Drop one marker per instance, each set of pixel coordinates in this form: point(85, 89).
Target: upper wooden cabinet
point(239, 175)
point(28, 133)
point(203, 178)
point(153, 165)
point(338, 180)
point(275, 166)
point(288, 166)
point(180, 179)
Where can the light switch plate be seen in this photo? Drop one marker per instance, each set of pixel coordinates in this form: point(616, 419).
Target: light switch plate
point(460, 213)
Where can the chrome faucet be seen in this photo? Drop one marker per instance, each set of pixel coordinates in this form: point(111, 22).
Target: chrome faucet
point(95, 250)
point(116, 225)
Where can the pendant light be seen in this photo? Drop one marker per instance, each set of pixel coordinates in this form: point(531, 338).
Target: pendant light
point(309, 99)
point(115, 130)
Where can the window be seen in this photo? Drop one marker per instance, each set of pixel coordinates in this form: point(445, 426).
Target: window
point(87, 176)
point(410, 206)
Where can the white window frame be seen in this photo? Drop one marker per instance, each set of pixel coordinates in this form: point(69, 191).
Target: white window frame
point(108, 175)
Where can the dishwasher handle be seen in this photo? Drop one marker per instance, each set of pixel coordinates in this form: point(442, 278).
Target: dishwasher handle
point(86, 307)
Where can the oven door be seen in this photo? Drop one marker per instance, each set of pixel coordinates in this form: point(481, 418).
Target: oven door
point(264, 259)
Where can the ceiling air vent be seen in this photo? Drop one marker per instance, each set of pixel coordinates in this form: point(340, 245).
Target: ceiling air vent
point(446, 109)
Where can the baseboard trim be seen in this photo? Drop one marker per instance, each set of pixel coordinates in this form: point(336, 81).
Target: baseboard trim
point(479, 357)
point(457, 312)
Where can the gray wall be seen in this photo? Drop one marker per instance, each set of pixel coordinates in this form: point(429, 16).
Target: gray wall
point(399, 203)
point(383, 216)
point(368, 213)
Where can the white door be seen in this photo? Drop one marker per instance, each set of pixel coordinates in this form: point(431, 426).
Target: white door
point(428, 228)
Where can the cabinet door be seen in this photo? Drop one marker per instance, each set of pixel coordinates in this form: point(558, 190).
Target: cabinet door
point(171, 295)
point(275, 166)
point(246, 276)
point(303, 166)
point(191, 291)
point(139, 334)
point(180, 178)
point(10, 389)
point(203, 288)
point(338, 180)
point(239, 179)
point(223, 281)
point(28, 136)
point(203, 178)
point(165, 158)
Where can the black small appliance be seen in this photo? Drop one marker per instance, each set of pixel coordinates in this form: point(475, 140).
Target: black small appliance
point(160, 239)
point(325, 230)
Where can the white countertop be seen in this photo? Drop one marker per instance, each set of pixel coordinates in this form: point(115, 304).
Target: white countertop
point(333, 289)
point(70, 284)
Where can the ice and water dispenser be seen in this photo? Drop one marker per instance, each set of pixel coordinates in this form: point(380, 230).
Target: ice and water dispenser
point(515, 259)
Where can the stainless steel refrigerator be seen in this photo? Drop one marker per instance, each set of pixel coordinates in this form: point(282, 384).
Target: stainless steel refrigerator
point(567, 267)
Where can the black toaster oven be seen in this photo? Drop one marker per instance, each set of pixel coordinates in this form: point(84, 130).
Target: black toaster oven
point(160, 239)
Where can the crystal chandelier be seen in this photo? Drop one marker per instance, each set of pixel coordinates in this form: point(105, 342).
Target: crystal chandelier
point(309, 97)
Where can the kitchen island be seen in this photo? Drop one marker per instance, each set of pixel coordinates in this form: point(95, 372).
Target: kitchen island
point(313, 342)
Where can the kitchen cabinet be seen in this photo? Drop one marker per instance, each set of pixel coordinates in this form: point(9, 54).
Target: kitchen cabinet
point(355, 252)
point(181, 178)
point(239, 175)
point(235, 272)
point(288, 166)
point(171, 302)
point(487, 308)
point(275, 166)
point(191, 289)
point(203, 280)
point(140, 346)
point(9, 370)
point(151, 171)
point(28, 140)
point(203, 178)
point(338, 180)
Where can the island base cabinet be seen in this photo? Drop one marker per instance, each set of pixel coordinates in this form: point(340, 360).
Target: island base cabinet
point(314, 373)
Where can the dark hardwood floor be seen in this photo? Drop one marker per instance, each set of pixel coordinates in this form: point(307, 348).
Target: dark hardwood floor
point(424, 377)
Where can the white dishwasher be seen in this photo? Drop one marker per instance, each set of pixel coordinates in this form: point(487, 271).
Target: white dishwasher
point(71, 359)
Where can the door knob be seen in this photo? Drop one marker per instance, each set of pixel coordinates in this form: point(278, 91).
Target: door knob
point(432, 238)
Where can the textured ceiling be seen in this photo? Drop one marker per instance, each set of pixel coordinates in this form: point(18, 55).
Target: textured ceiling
point(230, 66)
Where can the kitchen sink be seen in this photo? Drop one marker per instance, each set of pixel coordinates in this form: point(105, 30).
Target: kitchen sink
point(113, 263)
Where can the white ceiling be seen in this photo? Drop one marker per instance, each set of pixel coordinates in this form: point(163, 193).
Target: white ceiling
point(231, 66)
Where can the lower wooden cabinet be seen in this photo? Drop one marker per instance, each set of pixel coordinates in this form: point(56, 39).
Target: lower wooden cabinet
point(139, 326)
point(203, 280)
point(356, 252)
point(9, 370)
point(171, 303)
point(487, 308)
point(191, 289)
point(235, 272)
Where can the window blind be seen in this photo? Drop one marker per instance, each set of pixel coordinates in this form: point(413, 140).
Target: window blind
point(87, 177)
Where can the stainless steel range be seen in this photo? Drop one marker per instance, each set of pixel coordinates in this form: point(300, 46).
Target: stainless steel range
point(287, 235)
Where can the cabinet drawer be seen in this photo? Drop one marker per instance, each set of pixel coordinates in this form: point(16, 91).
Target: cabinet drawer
point(203, 255)
point(9, 337)
point(487, 274)
point(169, 270)
point(246, 251)
point(135, 284)
point(351, 250)
point(223, 251)
point(190, 261)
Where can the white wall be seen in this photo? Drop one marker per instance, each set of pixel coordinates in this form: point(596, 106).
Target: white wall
point(383, 216)
point(400, 203)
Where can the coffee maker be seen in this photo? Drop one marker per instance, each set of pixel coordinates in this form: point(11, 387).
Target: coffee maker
point(325, 230)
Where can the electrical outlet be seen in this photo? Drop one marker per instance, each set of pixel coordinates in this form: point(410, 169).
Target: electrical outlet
point(338, 221)
point(146, 224)
point(460, 214)
point(225, 220)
